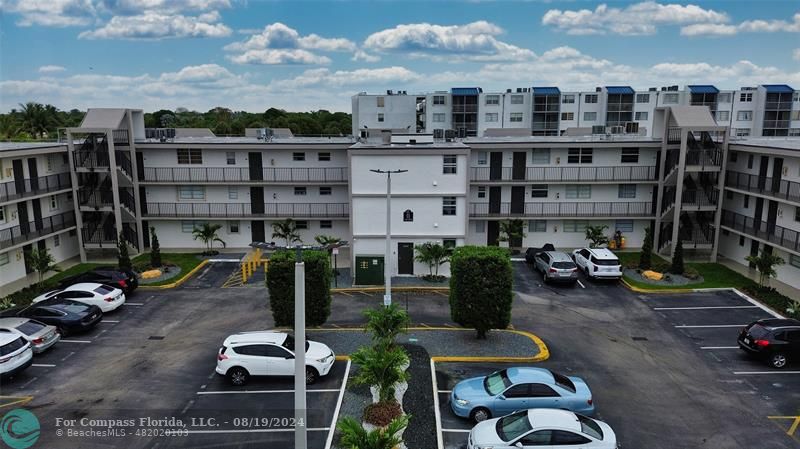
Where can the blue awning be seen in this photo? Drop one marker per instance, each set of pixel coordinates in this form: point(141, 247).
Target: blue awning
point(620, 90)
point(703, 89)
point(465, 90)
point(546, 91)
point(778, 88)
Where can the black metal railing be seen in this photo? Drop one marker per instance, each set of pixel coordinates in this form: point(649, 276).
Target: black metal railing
point(223, 210)
point(704, 157)
point(564, 209)
point(567, 174)
point(96, 197)
point(34, 229)
point(120, 137)
point(778, 105)
point(123, 160)
point(788, 190)
point(777, 235)
point(34, 186)
point(700, 198)
point(465, 108)
point(127, 200)
point(674, 135)
point(234, 174)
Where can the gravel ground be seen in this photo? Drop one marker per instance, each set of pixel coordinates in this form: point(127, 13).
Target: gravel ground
point(674, 278)
point(418, 401)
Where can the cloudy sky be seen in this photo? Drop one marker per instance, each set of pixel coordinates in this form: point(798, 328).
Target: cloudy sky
point(303, 55)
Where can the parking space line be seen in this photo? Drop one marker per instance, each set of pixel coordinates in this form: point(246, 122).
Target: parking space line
point(321, 390)
point(339, 401)
point(741, 373)
point(15, 400)
point(706, 307)
point(700, 326)
point(109, 321)
point(436, 411)
point(456, 430)
point(132, 304)
point(43, 365)
point(75, 341)
point(445, 391)
point(25, 385)
point(719, 347)
point(581, 284)
point(310, 429)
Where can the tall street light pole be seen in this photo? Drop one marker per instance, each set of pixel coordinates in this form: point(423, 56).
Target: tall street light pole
point(387, 263)
point(299, 350)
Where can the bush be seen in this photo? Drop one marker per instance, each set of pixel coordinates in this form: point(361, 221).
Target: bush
point(772, 298)
point(155, 249)
point(646, 256)
point(123, 256)
point(381, 367)
point(481, 288)
point(691, 274)
point(280, 282)
point(677, 259)
point(386, 323)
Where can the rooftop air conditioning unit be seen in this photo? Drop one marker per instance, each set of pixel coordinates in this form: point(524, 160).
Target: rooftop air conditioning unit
point(438, 133)
point(652, 89)
point(598, 89)
point(617, 129)
point(508, 91)
point(449, 134)
point(631, 127)
point(519, 89)
point(598, 129)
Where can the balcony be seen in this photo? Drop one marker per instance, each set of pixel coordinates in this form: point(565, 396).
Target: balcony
point(778, 105)
point(567, 174)
point(29, 231)
point(239, 174)
point(776, 123)
point(700, 199)
point(120, 137)
point(704, 158)
point(465, 108)
point(244, 210)
point(787, 190)
point(94, 235)
point(558, 210)
point(774, 234)
point(14, 190)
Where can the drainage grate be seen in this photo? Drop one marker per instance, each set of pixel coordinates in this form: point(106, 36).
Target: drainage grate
point(639, 338)
point(156, 337)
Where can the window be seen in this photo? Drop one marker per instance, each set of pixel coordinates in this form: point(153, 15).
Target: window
point(450, 164)
point(233, 193)
point(299, 156)
point(795, 115)
point(300, 191)
point(641, 115)
point(566, 116)
point(750, 160)
point(722, 116)
point(589, 116)
point(793, 260)
point(744, 116)
point(575, 225)
point(629, 156)
point(325, 191)
point(728, 195)
point(323, 157)
point(734, 156)
point(670, 98)
point(325, 224)
point(794, 132)
point(579, 156)
point(438, 117)
point(741, 240)
point(568, 99)
point(51, 162)
point(537, 226)
point(492, 116)
point(2, 214)
point(627, 191)
point(643, 98)
point(481, 191)
point(301, 224)
point(380, 116)
point(742, 132)
point(56, 240)
point(746, 97)
point(492, 100)
point(797, 214)
point(380, 101)
point(449, 243)
point(53, 202)
point(539, 191)
point(449, 205)
point(233, 227)
point(480, 227)
point(575, 191)
point(191, 193)
point(515, 117)
point(517, 99)
point(624, 226)
point(590, 98)
point(796, 96)
point(724, 97)
point(190, 156)
point(188, 226)
point(746, 201)
point(439, 100)
point(3, 259)
point(483, 157)
point(230, 158)
point(541, 156)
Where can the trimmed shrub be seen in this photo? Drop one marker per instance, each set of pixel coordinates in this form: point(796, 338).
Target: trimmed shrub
point(677, 259)
point(646, 256)
point(123, 257)
point(481, 288)
point(691, 273)
point(773, 299)
point(280, 282)
point(155, 249)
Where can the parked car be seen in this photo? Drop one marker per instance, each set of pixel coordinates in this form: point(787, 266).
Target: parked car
point(124, 280)
point(598, 263)
point(266, 353)
point(66, 315)
point(41, 336)
point(556, 266)
point(512, 389)
point(775, 340)
point(530, 253)
point(15, 354)
point(542, 428)
point(104, 296)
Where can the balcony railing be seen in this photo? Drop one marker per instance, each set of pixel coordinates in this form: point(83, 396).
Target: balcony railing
point(700, 198)
point(776, 123)
point(704, 158)
point(777, 235)
point(96, 198)
point(568, 174)
point(123, 160)
point(465, 108)
point(778, 105)
point(674, 135)
point(94, 234)
point(236, 174)
point(91, 159)
point(227, 210)
point(34, 186)
point(120, 137)
point(788, 190)
point(565, 209)
point(29, 231)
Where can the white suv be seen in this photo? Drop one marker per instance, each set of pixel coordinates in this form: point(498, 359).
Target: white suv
point(15, 354)
point(598, 263)
point(266, 353)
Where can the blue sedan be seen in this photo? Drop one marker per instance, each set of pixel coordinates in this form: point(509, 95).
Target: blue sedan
point(512, 389)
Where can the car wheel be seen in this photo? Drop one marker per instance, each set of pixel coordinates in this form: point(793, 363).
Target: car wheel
point(777, 360)
point(238, 376)
point(61, 331)
point(480, 414)
point(311, 375)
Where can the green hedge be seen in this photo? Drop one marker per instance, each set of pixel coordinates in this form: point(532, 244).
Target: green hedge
point(770, 297)
point(280, 282)
point(481, 286)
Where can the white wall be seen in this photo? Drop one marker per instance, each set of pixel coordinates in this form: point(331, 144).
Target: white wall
point(555, 234)
point(377, 247)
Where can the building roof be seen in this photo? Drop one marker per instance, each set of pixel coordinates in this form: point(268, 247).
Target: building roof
point(561, 139)
point(437, 144)
point(783, 143)
point(17, 146)
point(546, 91)
point(620, 90)
point(466, 90)
point(703, 89)
point(778, 88)
point(250, 140)
point(103, 118)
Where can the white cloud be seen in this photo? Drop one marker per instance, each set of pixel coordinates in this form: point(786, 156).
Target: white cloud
point(340, 78)
point(51, 69)
point(796, 54)
point(748, 26)
point(361, 55)
point(475, 41)
point(279, 56)
point(637, 19)
point(280, 44)
point(135, 7)
point(53, 13)
point(153, 25)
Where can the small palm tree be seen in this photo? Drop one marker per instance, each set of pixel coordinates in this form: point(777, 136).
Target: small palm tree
point(386, 323)
point(765, 264)
point(596, 235)
point(207, 233)
point(42, 262)
point(381, 368)
point(325, 240)
point(354, 436)
point(433, 254)
point(287, 230)
point(511, 231)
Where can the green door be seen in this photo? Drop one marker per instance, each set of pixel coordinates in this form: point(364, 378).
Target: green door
point(369, 270)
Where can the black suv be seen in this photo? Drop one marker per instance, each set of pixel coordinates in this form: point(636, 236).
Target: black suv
point(776, 340)
point(124, 280)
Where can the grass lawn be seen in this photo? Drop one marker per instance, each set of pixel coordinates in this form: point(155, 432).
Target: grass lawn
point(714, 274)
point(73, 270)
point(187, 262)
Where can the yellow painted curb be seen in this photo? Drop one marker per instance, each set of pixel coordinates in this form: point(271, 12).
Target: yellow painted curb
point(14, 400)
point(180, 281)
point(394, 289)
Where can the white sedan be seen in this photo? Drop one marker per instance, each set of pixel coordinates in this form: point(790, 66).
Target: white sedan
point(101, 295)
point(542, 428)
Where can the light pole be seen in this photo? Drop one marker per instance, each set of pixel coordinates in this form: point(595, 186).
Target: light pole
point(387, 264)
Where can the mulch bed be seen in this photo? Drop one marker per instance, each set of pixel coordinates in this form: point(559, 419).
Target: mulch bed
point(418, 400)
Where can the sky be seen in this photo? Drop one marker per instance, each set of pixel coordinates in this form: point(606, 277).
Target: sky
point(307, 55)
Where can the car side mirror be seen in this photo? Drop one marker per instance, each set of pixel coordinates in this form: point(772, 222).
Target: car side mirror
point(289, 356)
point(501, 397)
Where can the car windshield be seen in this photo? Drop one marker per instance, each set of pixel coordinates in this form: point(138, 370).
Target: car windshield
point(11, 347)
point(513, 426)
point(289, 343)
point(103, 289)
point(496, 382)
point(758, 331)
point(30, 327)
point(606, 262)
point(563, 381)
point(563, 265)
point(590, 427)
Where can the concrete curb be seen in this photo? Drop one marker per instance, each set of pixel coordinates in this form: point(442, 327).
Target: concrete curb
point(180, 281)
point(394, 289)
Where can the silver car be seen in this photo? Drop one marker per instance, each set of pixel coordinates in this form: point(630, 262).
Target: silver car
point(41, 336)
point(556, 266)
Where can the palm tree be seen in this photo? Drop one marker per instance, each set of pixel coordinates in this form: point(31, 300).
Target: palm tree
point(511, 231)
point(208, 235)
point(354, 436)
point(42, 262)
point(765, 264)
point(386, 323)
point(325, 240)
point(35, 119)
point(287, 230)
point(433, 254)
point(381, 368)
point(8, 126)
